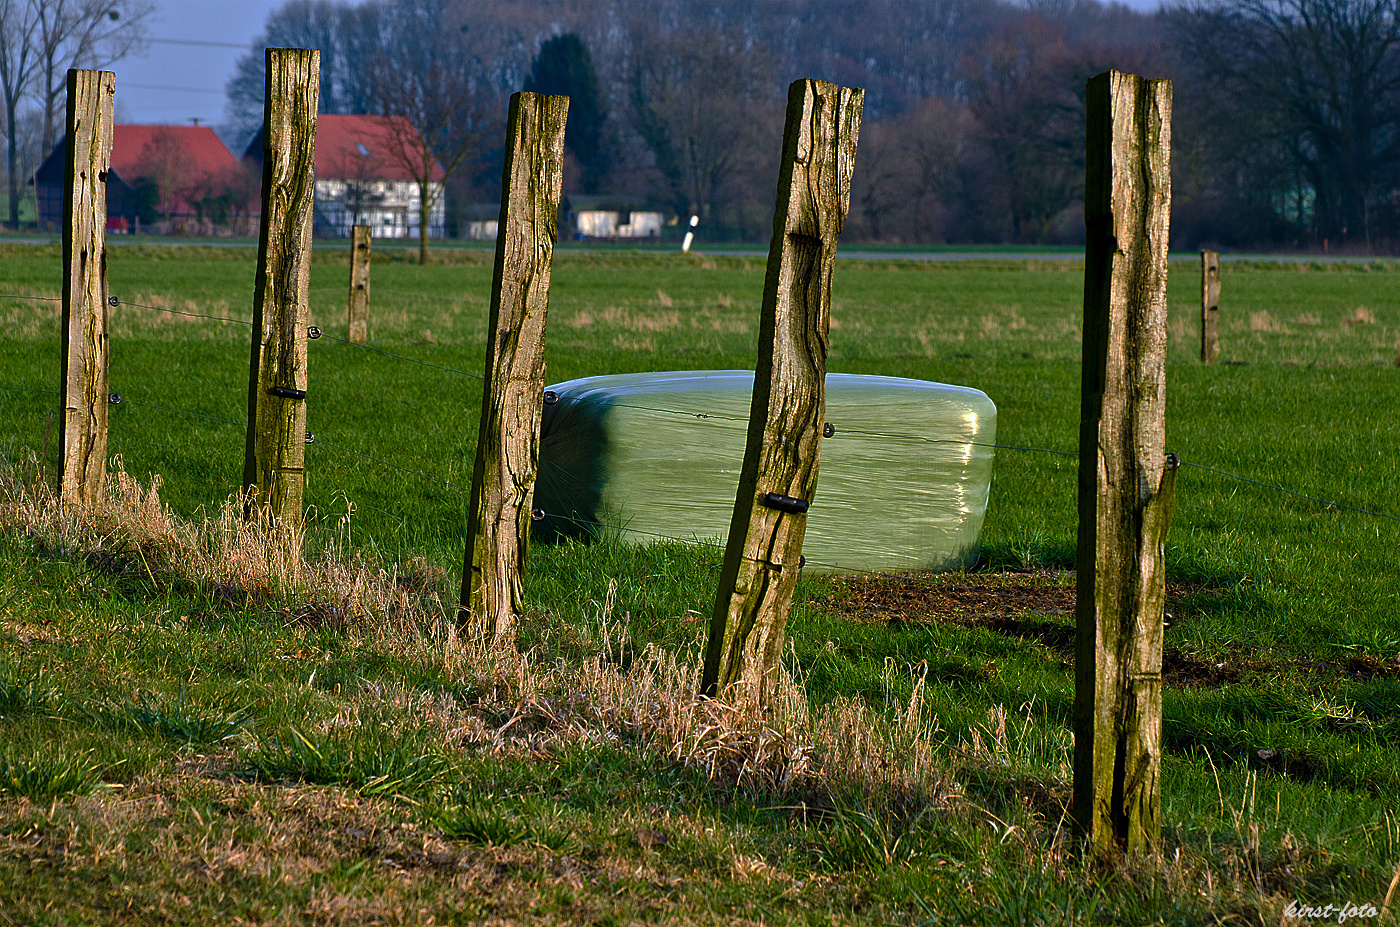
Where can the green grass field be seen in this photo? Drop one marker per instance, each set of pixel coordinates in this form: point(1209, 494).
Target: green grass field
point(184, 746)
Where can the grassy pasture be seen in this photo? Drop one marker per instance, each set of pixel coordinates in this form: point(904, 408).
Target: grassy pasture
point(262, 760)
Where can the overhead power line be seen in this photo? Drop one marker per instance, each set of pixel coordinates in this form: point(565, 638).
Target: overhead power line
point(175, 89)
point(196, 42)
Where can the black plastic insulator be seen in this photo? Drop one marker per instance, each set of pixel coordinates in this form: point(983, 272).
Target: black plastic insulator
point(537, 514)
point(1173, 461)
point(313, 333)
point(550, 397)
point(286, 392)
point(114, 398)
point(828, 430)
point(113, 301)
point(782, 503)
point(801, 561)
point(311, 437)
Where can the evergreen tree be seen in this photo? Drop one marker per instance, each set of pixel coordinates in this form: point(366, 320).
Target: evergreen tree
point(564, 67)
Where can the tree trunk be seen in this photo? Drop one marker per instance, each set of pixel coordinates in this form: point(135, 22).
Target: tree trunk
point(424, 210)
point(13, 165)
point(50, 99)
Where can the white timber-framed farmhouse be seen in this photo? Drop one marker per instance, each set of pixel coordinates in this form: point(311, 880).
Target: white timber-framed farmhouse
point(366, 174)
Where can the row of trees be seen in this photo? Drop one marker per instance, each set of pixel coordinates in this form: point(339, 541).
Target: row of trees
point(39, 41)
point(1285, 131)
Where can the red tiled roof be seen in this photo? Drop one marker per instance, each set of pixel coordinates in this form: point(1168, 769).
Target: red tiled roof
point(137, 151)
point(363, 148)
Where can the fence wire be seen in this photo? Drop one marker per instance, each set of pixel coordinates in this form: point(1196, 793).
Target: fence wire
point(116, 302)
point(907, 577)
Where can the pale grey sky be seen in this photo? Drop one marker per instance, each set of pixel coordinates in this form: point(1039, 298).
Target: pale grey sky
point(174, 83)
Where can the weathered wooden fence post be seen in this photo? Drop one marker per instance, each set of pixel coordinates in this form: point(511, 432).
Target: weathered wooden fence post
point(786, 419)
point(1125, 479)
point(358, 312)
point(83, 471)
point(508, 442)
point(1210, 307)
point(273, 477)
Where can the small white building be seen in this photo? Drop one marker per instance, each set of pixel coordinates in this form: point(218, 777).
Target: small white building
point(612, 218)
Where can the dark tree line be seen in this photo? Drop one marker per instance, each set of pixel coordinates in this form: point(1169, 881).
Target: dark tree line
point(1296, 119)
point(1285, 126)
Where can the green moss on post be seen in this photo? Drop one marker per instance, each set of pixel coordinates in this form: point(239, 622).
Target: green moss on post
point(764, 550)
point(273, 474)
point(1125, 479)
point(508, 441)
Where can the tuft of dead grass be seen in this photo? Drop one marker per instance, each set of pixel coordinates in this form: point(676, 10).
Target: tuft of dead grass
point(245, 562)
point(819, 756)
point(870, 777)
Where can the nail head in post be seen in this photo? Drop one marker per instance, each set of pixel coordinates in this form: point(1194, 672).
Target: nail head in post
point(782, 503)
point(537, 514)
point(828, 430)
point(311, 437)
point(113, 301)
point(114, 398)
point(313, 333)
point(550, 397)
point(286, 392)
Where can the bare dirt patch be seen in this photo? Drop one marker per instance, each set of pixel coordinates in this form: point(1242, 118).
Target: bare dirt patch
point(1037, 606)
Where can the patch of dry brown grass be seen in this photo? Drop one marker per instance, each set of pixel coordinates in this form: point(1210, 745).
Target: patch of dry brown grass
point(191, 842)
point(244, 561)
point(789, 748)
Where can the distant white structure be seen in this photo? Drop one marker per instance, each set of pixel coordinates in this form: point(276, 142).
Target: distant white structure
point(689, 235)
point(612, 218)
point(483, 229)
point(363, 178)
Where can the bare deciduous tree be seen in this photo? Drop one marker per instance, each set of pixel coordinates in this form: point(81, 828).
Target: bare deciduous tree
point(19, 21)
point(1317, 83)
point(705, 104)
point(83, 34)
point(428, 76)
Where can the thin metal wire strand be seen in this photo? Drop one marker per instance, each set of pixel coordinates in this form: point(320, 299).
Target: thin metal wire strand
point(394, 466)
point(652, 534)
point(916, 579)
point(29, 389)
point(1264, 648)
point(845, 571)
point(192, 315)
point(411, 360)
point(1245, 479)
point(51, 299)
point(148, 405)
point(579, 399)
point(927, 440)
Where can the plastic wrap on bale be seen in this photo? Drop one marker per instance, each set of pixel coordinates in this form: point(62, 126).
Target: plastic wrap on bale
point(903, 481)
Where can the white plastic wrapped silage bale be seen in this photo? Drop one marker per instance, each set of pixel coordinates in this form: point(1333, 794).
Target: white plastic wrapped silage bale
point(902, 482)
